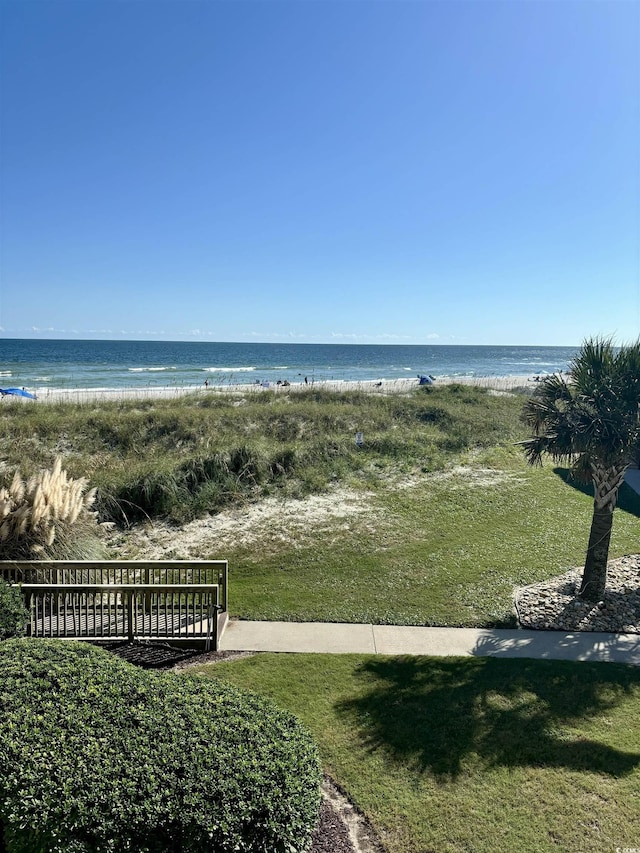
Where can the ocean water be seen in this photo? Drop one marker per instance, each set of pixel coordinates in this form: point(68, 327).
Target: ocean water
point(52, 364)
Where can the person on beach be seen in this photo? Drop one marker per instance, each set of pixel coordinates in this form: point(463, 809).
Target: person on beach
point(206, 383)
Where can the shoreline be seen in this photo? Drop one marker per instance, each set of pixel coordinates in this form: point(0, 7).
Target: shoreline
point(502, 384)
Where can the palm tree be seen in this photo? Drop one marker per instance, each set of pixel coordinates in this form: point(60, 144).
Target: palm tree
point(591, 419)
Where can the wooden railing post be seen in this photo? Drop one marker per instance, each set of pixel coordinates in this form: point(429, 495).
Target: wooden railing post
point(223, 578)
point(128, 597)
point(147, 598)
point(29, 606)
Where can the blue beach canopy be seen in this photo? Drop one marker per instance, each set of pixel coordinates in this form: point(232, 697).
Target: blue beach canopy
point(17, 392)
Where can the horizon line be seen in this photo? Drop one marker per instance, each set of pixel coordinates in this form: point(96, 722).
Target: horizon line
point(4, 337)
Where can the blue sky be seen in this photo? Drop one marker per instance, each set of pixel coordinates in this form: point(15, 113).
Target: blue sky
point(366, 171)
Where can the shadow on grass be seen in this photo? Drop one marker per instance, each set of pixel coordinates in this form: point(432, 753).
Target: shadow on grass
point(628, 499)
point(435, 713)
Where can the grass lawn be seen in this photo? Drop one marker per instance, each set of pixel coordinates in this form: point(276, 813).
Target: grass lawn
point(470, 754)
point(446, 550)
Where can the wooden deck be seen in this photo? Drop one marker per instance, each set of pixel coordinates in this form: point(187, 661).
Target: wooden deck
point(102, 627)
point(106, 601)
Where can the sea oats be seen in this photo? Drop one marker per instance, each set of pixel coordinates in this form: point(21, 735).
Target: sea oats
point(17, 488)
point(49, 507)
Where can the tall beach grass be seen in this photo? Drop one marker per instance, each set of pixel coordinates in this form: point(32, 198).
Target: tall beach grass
point(182, 457)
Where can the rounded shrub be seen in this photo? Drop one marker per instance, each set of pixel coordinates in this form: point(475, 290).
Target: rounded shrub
point(13, 613)
point(100, 757)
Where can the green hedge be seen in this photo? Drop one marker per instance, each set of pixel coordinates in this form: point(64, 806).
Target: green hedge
point(100, 756)
point(13, 613)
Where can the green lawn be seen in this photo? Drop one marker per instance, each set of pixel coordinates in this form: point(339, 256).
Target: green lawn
point(446, 551)
point(470, 754)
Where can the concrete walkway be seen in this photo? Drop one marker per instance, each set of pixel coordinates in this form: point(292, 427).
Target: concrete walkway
point(339, 638)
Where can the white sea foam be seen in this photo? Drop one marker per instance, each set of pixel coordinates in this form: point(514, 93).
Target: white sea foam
point(531, 362)
point(231, 369)
point(149, 369)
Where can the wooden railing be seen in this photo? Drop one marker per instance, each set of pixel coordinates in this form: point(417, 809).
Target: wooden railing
point(179, 601)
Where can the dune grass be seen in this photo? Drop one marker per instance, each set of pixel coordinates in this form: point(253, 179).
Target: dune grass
point(480, 754)
point(182, 458)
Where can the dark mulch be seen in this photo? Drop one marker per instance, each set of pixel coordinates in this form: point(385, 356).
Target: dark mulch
point(149, 655)
point(331, 834)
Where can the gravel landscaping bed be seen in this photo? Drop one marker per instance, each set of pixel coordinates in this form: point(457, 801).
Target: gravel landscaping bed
point(552, 605)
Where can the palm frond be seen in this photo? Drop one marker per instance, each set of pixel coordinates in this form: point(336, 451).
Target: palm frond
point(547, 403)
point(536, 448)
point(592, 365)
point(595, 414)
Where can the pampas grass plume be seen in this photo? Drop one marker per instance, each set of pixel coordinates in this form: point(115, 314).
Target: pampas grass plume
point(35, 511)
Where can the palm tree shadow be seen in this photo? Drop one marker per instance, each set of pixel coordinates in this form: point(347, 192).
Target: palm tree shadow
point(628, 498)
point(434, 713)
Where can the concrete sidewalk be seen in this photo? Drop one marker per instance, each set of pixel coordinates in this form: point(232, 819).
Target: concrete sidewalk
point(340, 638)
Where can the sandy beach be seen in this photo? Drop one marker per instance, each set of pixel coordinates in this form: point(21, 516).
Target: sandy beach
point(384, 386)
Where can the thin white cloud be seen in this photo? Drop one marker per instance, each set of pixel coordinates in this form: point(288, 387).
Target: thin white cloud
point(279, 336)
point(359, 337)
point(254, 335)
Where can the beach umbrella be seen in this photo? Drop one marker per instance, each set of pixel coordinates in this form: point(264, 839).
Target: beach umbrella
point(17, 392)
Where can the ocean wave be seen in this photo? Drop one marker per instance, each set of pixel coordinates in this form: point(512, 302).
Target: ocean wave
point(531, 362)
point(149, 369)
point(5, 373)
point(231, 369)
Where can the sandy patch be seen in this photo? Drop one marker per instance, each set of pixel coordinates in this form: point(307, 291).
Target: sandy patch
point(275, 522)
point(469, 477)
point(272, 520)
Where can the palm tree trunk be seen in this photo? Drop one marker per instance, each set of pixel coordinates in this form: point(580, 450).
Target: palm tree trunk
point(606, 483)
